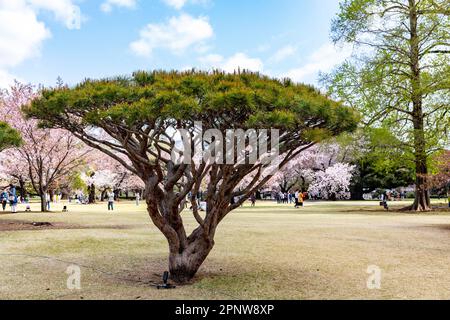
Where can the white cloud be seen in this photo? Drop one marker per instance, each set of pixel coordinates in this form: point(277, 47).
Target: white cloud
point(176, 35)
point(6, 79)
point(177, 4)
point(238, 61)
point(322, 60)
point(211, 60)
point(283, 53)
point(242, 61)
point(64, 10)
point(108, 5)
point(22, 34)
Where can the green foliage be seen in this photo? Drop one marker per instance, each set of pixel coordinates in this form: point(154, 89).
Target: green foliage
point(76, 182)
point(9, 137)
point(398, 77)
point(380, 160)
point(245, 100)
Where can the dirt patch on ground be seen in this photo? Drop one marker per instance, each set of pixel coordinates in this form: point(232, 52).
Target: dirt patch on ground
point(20, 225)
point(436, 210)
point(397, 210)
point(16, 225)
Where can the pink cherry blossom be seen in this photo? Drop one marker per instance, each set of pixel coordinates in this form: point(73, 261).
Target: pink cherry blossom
point(46, 156)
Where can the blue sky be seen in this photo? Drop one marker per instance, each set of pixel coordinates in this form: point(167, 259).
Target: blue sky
point(43, 39)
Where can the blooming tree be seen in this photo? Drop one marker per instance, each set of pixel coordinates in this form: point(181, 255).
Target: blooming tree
point(101, 180)
point(105, 173)
point(46, 156)
point(440, 180)
point(333, 183)
point(301, 171)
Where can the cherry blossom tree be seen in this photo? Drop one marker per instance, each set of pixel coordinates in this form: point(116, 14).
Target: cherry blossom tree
point(333, 183)
point(105, 173)
point(130, 183)
point(46, 156)
point(440, 180)
point(100, 180)
point(300, 172)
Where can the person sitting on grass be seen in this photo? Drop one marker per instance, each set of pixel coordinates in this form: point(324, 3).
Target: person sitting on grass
point(111, 201)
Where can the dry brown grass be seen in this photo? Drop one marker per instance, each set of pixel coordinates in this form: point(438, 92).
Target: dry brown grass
point(269, 252)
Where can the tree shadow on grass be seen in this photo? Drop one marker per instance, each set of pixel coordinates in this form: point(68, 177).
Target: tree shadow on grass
point(24, 225)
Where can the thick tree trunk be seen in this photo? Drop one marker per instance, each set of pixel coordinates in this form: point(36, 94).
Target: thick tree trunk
point(186, 254)
point(43, 203)
point(184, 265)
point(422, 201)
point(91, 190)
point(23, 192)
point(357, 189)
point(116, 194)
point(103, 196)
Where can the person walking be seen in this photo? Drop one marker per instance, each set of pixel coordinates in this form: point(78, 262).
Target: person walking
point(138, 198)
point(47, 200)
point(301, 199)
point(4, 199)
point(111, 197)
point(13, 198)
point(296, 195)
point(253, 200)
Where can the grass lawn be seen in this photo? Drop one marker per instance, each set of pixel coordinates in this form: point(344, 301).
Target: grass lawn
point(272, 251)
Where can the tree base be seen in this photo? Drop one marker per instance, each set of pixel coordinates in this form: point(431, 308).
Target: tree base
point(417, 208)
point(414, 209)
point(182, 276)
point(184, 266)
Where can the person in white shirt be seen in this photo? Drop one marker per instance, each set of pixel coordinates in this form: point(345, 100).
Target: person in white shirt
point(138, 198)
point(297, 195)
point(111, 197)
point(48, 200)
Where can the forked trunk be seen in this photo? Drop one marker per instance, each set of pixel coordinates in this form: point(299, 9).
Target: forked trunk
point(184, 265)
point(186, 254)
point(422, 200)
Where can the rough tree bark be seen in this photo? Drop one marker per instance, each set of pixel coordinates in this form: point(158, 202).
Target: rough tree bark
point(42, 195)
point(422, 200)
point(103, 195)
point(91, 191)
